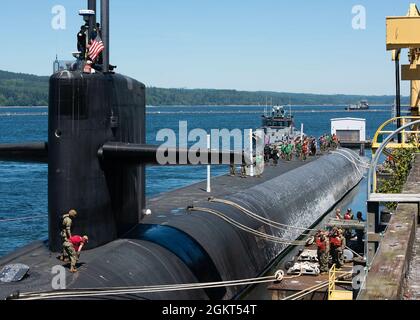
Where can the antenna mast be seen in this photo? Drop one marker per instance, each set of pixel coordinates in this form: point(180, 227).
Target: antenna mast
point(92, 19)
point(105, 33)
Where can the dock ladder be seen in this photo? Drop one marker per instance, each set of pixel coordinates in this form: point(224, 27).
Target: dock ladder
point(333, 293)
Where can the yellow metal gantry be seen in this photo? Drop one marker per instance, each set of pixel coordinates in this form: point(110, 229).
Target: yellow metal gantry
point(409, 138)
point(404, 33)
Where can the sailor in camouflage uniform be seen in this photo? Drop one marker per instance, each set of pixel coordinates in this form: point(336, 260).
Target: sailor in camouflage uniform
point(65, 238)
point(323, 251)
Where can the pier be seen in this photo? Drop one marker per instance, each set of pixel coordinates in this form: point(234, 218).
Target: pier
point(398, 248)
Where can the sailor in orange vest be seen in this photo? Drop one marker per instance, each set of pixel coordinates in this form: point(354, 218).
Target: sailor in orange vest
point(348, 215)
point(338, 244)
point(323, 251)
point(338, 214)
point(348, 234)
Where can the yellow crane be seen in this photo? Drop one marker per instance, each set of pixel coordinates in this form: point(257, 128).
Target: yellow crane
point(403, 32)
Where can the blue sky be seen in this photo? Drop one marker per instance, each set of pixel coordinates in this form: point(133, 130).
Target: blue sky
point(289, 46)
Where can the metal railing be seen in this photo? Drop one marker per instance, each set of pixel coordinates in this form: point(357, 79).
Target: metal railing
point(409, 138)
point(333, 293)
point(372, 183)
point(372, 195)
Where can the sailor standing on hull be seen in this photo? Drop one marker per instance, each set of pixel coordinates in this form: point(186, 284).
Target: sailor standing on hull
point(338, 244)
point(68, 247)
point(323, 251)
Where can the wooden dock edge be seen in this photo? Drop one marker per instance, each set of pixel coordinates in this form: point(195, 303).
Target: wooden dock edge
point(386, 278)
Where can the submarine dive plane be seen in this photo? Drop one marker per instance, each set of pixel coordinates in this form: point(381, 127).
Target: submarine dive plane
point(97, 153)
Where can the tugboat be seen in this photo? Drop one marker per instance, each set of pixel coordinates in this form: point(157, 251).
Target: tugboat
point(362, 105)
point(279, 125)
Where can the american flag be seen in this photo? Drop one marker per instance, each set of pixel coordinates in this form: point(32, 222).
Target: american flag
point(96, 47)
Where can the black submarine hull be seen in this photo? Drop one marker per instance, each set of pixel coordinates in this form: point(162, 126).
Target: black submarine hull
point(199, 247)
point(214, 250)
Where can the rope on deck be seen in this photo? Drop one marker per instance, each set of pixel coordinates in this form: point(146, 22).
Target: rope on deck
point(264, 220)
point(248, 229)
point(278, 276)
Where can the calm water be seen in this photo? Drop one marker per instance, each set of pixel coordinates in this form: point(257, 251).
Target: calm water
point(23, 187)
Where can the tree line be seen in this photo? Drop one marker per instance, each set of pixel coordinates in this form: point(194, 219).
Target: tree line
point(18, 89)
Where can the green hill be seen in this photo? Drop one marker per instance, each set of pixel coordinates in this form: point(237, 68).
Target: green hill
point(159, 96)
point(18, 89)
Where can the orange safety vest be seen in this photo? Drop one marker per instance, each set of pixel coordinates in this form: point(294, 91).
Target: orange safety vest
point(321, 245)
point(335, 241)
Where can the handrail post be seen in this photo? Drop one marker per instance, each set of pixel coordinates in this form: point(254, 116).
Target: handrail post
point(403, 133)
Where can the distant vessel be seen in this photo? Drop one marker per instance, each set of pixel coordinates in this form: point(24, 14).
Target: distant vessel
point(278, 124)
point(362, 105)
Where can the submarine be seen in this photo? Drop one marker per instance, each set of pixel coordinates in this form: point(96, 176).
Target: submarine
point(97, 153)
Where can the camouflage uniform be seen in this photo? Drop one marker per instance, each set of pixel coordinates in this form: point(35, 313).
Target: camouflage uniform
point(337, 249)
point(65, 238)
point(343, 246)
point(298, 150)
point(323, 253)
point(243, 171)
point(232, 170)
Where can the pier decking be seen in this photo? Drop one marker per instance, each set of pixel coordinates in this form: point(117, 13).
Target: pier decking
point(389, 268)
point(412, 290)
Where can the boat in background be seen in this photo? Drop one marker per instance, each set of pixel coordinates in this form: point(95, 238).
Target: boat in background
point(362, 105)
point(279, 125)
